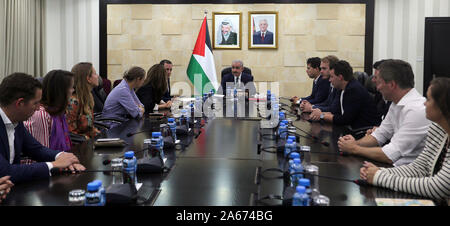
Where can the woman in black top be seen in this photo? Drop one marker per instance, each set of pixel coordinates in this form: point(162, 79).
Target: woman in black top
point(155, 85)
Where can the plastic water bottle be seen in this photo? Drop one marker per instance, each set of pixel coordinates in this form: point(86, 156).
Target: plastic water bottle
point(268, 98)
point(93, 195)
point(282, 115)
point(235, 101)
point(102, 191)
point(173, 128)
point(307, 184)
point(282, 130)
point(288, 147)
point(294, 146)
point(198, 106)
point(156, 143)
point(291, 163)
point(300, 197)
point(294, 155)
point(191, 106)
point(296, 168)
point(129, 168)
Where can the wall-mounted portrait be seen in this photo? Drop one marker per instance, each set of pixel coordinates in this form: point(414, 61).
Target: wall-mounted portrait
point(263, 30)
point(227, 30)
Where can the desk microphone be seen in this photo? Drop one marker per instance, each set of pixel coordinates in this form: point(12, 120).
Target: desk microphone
point(58, 171)
point(143, 131)
point(312, 137)
point(359, 182)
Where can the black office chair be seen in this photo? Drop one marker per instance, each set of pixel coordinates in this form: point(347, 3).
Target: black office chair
point(227, 70)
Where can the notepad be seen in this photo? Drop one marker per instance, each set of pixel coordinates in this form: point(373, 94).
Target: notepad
point(403, 202)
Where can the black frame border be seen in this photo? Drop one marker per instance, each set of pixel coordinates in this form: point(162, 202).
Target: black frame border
point(369, 26)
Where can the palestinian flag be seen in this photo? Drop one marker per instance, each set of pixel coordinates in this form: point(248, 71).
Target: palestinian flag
point(201, 69)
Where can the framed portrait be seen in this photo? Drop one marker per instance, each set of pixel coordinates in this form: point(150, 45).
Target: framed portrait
point(227, 30)
point(263, 30)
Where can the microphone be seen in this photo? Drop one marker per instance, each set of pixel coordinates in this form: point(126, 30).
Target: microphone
point(311, 136)
point(359, 182)
point(143, 131)
point(58, 171)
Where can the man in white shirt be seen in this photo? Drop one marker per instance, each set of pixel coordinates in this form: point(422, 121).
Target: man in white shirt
point(405, 124)
point(21, 98)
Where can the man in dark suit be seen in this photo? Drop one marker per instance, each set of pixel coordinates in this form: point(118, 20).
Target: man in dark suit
point(263, 36)
point(321, 85)
point(356, 107)
point(21, 98)
point(237, 77)
point(228, 37)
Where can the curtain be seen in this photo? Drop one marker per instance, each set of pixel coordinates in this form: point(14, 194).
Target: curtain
point(22, 40)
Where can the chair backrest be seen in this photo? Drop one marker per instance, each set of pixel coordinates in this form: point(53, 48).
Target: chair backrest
point(366, 80)
point(227, 70)
point(116, 82)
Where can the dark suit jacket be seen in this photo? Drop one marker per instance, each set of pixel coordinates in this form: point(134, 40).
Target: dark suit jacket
point(232, 39)
point(268, 39)
point(166, 97)
point(24, 143)
point(245, 78)
point(320, 91)
point(331, 102)
point(148, 97)
point(359, 107)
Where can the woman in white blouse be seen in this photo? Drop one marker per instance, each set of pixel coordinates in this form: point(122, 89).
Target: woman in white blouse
point(429, 174)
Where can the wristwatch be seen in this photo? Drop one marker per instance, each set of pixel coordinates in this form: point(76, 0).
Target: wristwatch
point(322, 115)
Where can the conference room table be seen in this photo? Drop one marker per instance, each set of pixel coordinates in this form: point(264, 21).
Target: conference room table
point(220, 166)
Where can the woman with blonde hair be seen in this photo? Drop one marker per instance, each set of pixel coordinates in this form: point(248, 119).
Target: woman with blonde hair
point(80, 112)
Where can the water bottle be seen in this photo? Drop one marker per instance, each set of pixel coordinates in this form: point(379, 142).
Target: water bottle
point(282, 115)
point(183, 119)
point(290, 165)
point(211, 93)
point(288, 147)
point(93, 195)
point(292, 138)
point(282, 129)
point(156, 144)
point(296, 168)
point(205, 97)
point(161, 141)
point(307, 184)
point(191, 106)
point(268, 98)
point(235, 100)
point(198, 106)
point(173, 128)
point(300, 197)
point(129, 168)
point(294, 155)
point(102, 191)
point(294, 146)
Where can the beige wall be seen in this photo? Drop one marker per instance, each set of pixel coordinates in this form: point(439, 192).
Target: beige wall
point(142, 35)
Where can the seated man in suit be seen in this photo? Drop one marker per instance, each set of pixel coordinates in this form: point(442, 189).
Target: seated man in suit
point(321, 85)
point(332, 100)
point(21, 98)
point(237, 77)
point(263, 36)
point(356, 107)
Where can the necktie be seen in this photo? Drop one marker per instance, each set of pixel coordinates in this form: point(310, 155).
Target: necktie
point(262, 37)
